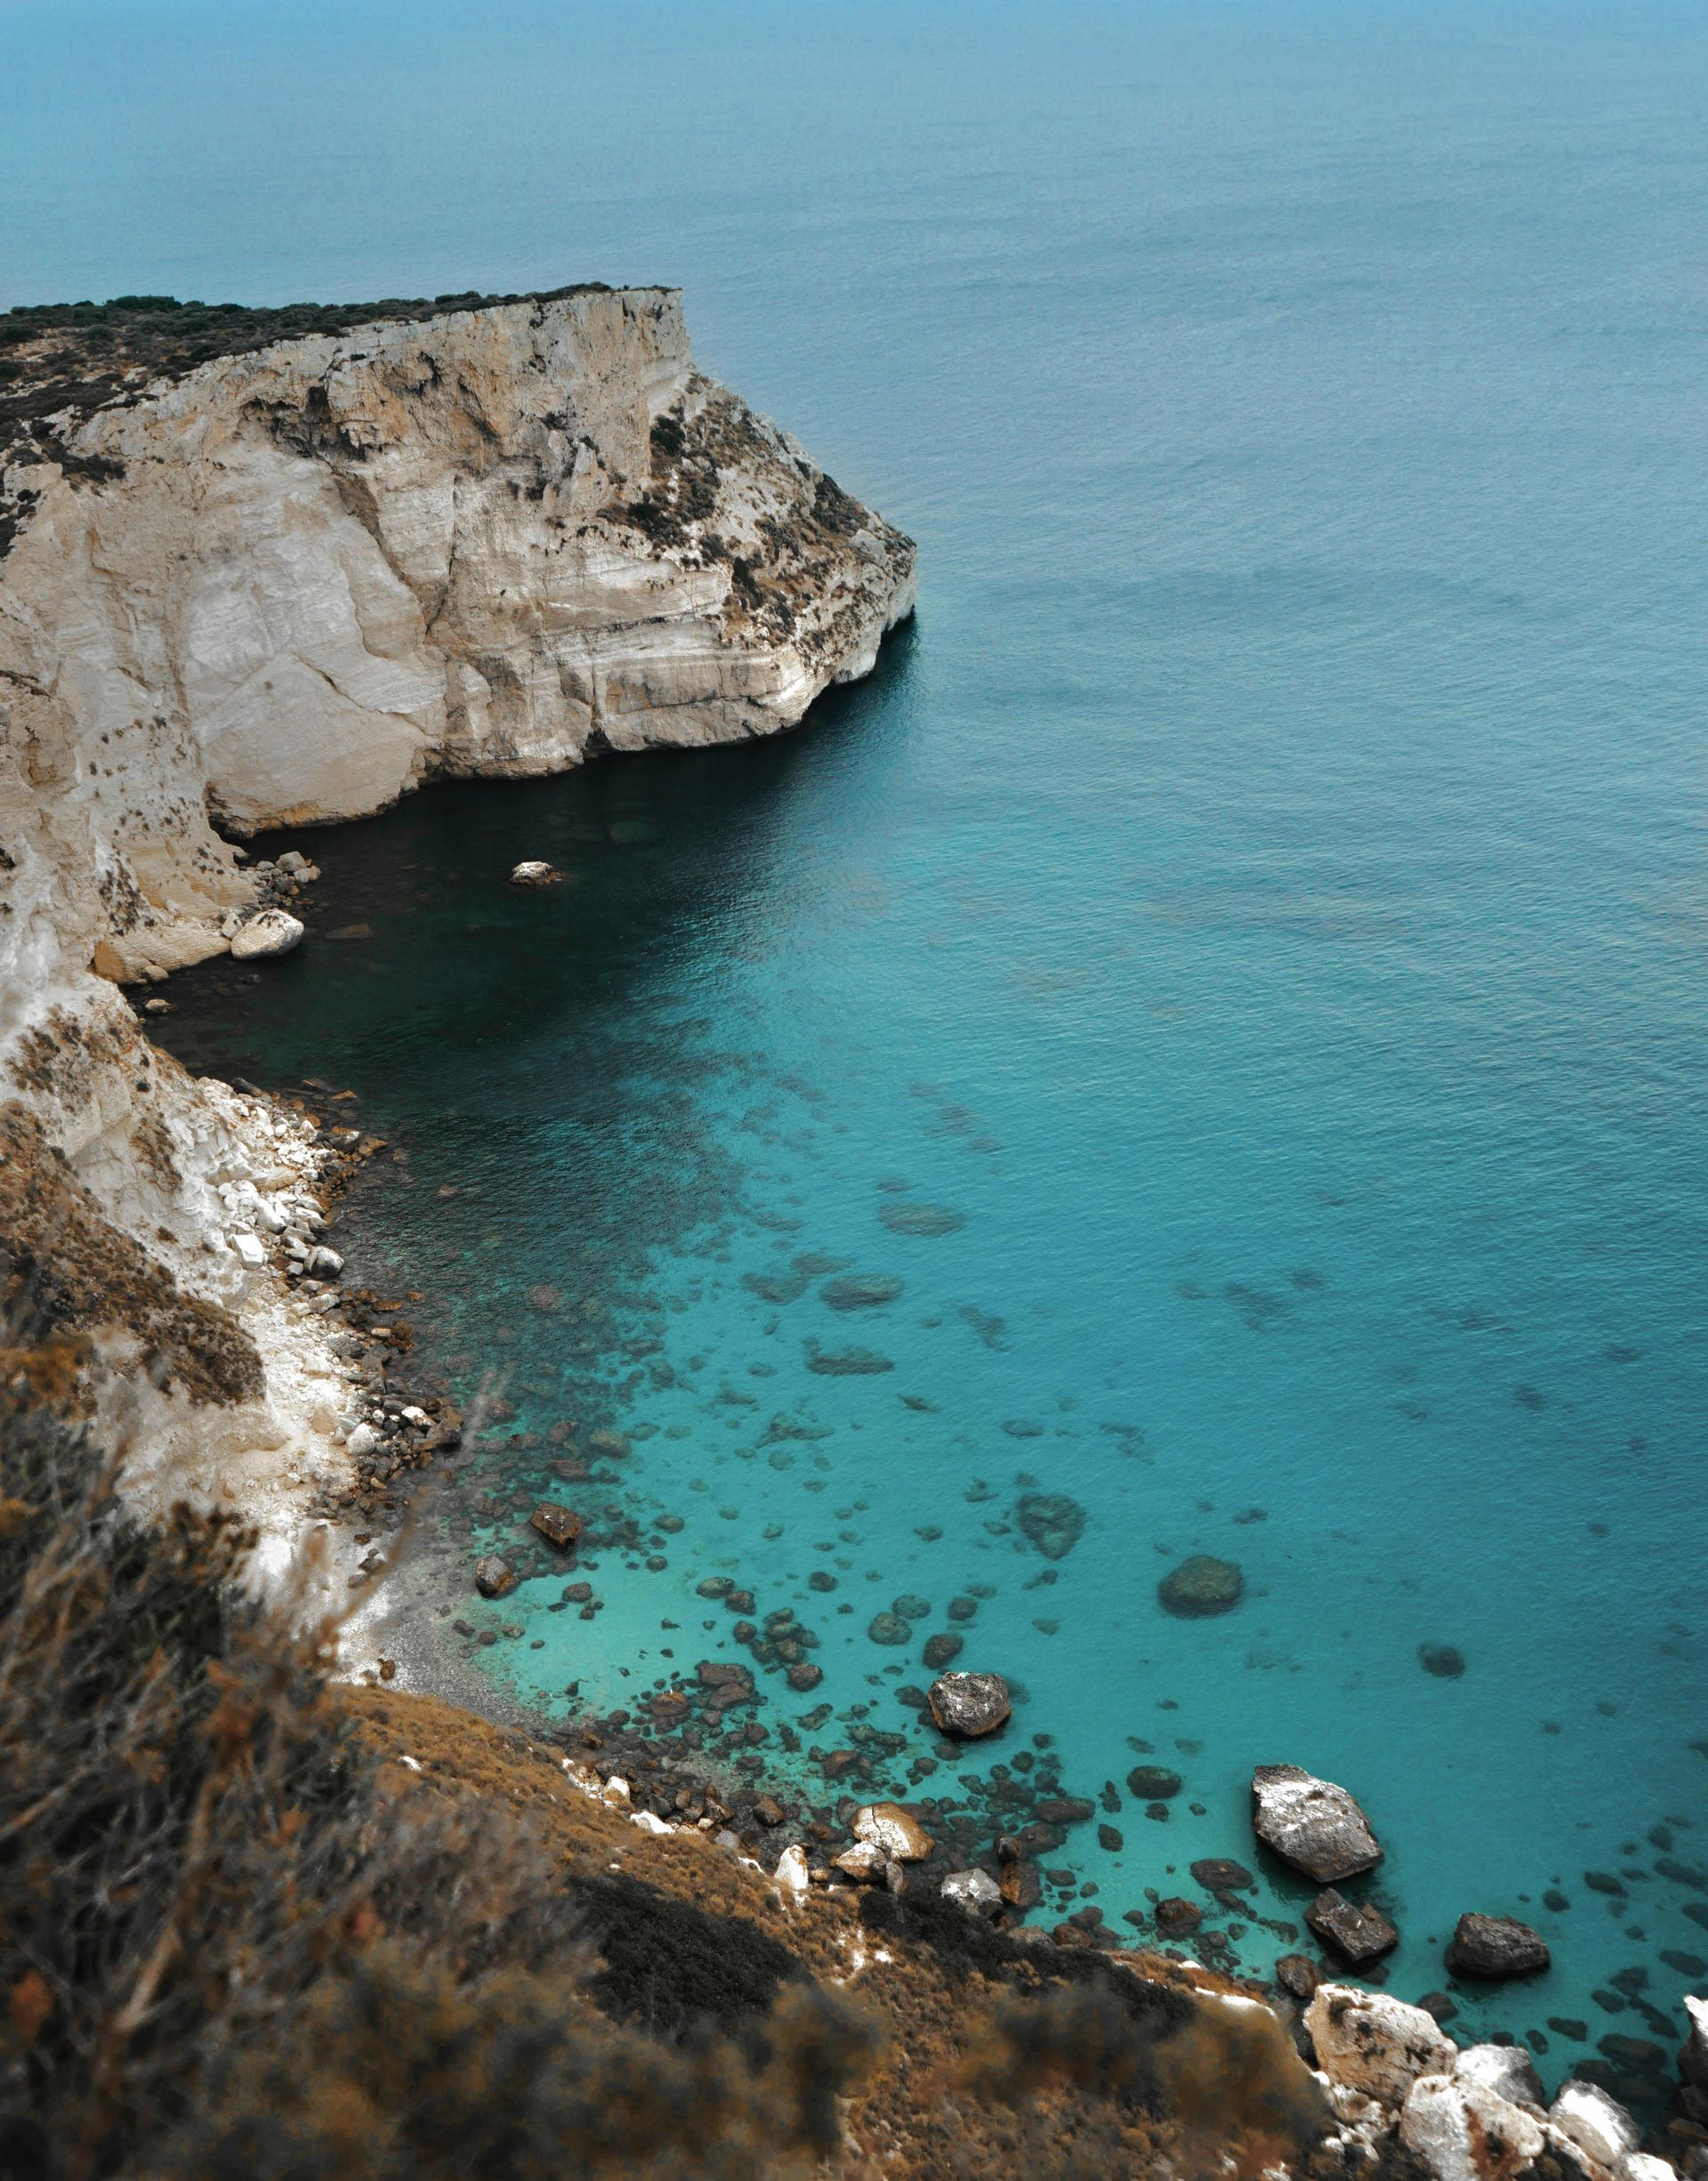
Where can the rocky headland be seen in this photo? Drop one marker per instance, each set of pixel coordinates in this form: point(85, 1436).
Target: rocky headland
point(260, 570)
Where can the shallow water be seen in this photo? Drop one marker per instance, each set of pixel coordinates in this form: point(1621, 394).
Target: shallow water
point(1263, 898)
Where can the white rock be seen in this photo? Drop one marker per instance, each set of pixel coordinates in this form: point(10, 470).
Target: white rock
point(1644, 2166)
point(271, 933)
point(1506, 2070)
point(1463, 2131)
point(1311, 1824)
point(1693, 2059)
point(616, 1791)
point(1596, 2123)
point(650, 1823)
point(292, 861)
point(976, 1891)
point(791, 1872)
point(324, 1264)
point(862, 1862)
point(1373, 2044)
point(886, 1825)
point(250, 1248)
point(362, 1441)
point(533, 873)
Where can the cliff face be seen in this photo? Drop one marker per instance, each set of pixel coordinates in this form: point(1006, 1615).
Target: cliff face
point(293, 583)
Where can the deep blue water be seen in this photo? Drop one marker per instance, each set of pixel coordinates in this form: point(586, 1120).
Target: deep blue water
point(1264, 894)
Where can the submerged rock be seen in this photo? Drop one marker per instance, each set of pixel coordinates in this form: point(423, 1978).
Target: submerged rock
point(1496, 1947)
point(1177, 1918)
point(1153, 1783)
point(1051, 1521)
point(1311, 1824)
point(941, 1651)
point(889, 1628)
point(1447, 1662)
point(846, 1362)
point(271, 932)
point(1219, 1874)
point(921, 1219)
point(860, 1291)
point(970, 1705)
point(1356, 1930)
point(1201, 1587)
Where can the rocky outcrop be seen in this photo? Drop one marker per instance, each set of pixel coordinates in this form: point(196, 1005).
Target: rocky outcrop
point(1378, 2047)
point(294, 582)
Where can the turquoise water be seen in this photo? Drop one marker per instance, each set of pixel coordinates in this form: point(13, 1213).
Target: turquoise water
point(1263, 896)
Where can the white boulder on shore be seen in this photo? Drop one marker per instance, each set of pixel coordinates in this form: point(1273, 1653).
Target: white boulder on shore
point(272, 931)
point(1474, 2115)
point(1377, 2045)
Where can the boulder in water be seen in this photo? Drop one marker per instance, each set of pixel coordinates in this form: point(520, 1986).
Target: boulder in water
point(941, 1651)
point(1494, 1948)
point(559, 1526)
point(1445, 1661)
point(1358, 1932)
point(889, 1628)
point(271, 932)
point(1051, 1521)
point(1200, 1587)
point(533, 872)
point(970, 1705)
point(494, 1578)
point(1312, 1824)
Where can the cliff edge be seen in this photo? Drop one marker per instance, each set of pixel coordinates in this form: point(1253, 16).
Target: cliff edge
point(261, 568)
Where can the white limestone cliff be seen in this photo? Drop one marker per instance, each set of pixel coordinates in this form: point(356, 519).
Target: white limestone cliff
point(294, 584)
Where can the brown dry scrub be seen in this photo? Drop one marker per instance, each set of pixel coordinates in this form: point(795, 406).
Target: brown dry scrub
point(241, 1941)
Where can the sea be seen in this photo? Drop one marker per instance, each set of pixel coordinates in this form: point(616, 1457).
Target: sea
point(1208, 1040)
